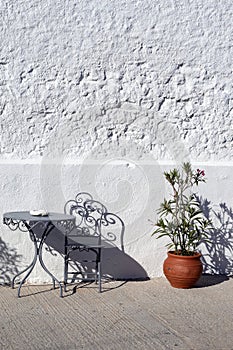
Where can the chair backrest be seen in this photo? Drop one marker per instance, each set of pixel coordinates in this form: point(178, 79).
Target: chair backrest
point(93, 218)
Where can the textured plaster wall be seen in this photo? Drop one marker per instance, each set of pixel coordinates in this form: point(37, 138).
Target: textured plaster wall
point(112, 93)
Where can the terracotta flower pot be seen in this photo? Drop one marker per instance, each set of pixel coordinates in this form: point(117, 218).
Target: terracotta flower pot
point(182, 271)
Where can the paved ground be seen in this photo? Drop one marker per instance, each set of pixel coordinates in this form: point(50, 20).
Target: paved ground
point(132, 315)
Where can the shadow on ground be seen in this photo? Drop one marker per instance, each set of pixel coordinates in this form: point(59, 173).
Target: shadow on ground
point(211, 280)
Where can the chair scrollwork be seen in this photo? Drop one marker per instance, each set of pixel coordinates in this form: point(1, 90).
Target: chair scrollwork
point(93, 227)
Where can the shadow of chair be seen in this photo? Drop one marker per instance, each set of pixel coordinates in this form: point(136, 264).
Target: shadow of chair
point(95, 229)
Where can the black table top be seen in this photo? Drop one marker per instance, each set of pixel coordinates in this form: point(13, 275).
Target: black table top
point(26, 216)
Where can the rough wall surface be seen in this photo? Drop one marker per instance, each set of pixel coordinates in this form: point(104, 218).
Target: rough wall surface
point(117, 70)
point(123, 84)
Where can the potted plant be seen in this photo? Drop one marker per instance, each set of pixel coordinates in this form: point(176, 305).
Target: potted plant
point(182, 220)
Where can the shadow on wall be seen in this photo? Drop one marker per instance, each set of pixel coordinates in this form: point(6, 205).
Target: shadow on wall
point(9, 260)
point(116, 264)
point(218, 256)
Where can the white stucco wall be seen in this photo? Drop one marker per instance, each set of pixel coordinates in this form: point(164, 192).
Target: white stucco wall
point(110, 94)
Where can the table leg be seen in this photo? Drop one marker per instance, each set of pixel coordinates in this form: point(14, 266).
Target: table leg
point(30, 267)
point(47, 230)
point(38, 245)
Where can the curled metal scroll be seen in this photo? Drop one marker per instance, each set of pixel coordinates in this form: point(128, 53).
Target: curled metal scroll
point(82, 197)
point(88, 213)
point(93, 218)
point(16, 224)
point(64, 225)
point(108, 222)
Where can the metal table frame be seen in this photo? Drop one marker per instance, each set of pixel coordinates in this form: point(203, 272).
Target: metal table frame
point(27, 223)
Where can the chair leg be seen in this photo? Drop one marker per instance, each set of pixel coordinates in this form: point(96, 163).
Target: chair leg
point(99, 277)
point(66, 256)
point(99, 271)
point(65, 272)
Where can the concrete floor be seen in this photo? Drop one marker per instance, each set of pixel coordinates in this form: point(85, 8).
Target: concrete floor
point(132, 315)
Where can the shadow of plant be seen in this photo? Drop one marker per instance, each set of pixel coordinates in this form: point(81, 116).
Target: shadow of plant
point(9, 260)
point(218, 255)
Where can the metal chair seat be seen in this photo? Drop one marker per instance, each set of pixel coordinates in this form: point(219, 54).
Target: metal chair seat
point(83, 241)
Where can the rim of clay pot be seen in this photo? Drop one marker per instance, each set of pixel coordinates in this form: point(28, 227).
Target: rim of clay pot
point(196, 255)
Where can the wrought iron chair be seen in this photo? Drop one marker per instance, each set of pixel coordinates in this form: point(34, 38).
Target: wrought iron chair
point(87, 237)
